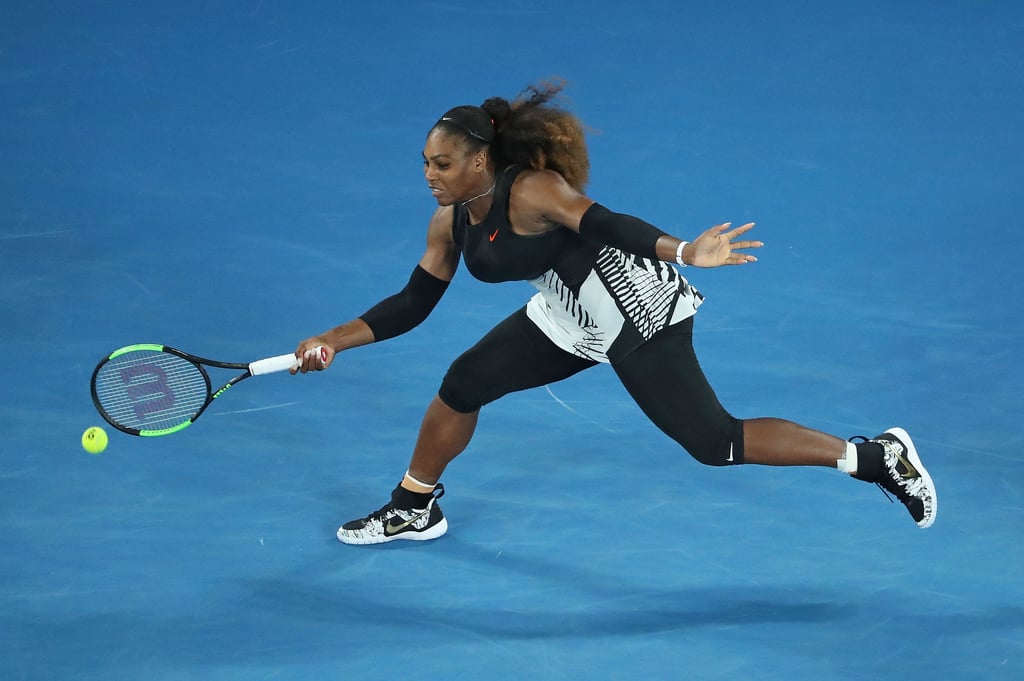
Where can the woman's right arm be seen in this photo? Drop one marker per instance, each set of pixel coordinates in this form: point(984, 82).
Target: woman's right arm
point(395, 314)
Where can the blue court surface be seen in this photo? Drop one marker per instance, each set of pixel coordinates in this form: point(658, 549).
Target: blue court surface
point(232, 177)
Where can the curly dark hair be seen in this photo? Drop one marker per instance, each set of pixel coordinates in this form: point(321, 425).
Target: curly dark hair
point(530, 131)
point(535, 133)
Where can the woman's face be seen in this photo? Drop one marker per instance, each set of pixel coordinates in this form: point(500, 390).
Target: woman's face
point(453, 172)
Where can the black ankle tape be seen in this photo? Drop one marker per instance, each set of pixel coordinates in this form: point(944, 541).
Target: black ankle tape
point(870, 461)
point(407, 500)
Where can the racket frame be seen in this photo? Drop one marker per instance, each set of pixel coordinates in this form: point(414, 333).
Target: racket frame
point(198, 362)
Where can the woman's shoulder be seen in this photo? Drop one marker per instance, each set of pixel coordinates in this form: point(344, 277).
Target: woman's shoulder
point(441, 222)
point(530, 178)
point(443, 214)
point(538, 187)
point(542, 200)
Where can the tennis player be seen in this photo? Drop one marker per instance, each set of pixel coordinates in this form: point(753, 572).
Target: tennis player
point(509, 178)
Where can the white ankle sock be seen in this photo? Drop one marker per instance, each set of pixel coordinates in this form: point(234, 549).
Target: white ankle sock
point(848, 464)
point(421, 487)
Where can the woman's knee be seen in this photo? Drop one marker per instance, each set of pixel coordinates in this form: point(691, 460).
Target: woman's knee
point(720, 446)
point(461, 389)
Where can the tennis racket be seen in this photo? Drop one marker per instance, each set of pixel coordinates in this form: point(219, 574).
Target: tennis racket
point(150, 390)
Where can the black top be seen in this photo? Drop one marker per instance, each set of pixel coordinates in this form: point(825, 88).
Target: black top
point(494, 253)
point(593, 300)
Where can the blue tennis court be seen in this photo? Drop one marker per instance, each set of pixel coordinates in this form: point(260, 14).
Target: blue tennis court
point(231, 178)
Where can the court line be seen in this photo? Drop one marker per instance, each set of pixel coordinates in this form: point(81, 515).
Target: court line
point(246, 411)
point(585, 418)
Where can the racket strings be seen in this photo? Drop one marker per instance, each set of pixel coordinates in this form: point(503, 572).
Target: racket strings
point(150, 389)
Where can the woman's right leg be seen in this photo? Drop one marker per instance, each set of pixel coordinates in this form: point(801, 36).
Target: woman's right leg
point(513, 356)
point(444, 434)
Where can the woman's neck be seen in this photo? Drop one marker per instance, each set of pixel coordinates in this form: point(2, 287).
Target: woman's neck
point(479, 205)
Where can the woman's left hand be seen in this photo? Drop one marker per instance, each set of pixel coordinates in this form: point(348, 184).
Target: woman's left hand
point(716, 247)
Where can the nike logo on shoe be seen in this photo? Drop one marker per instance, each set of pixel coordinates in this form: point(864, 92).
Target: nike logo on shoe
point(908, 472)
point(391, 529)
point(907, 478)
point(390, 523)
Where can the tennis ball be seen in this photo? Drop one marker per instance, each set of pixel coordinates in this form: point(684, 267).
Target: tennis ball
point(94, 440)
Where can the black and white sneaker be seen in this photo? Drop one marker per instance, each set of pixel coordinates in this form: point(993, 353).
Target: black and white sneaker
point(904, 476)
point(392, 522)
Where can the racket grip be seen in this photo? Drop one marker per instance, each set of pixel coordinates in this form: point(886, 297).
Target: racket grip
point(272, 365)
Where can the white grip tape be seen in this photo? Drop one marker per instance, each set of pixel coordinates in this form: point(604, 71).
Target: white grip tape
point(271, 365)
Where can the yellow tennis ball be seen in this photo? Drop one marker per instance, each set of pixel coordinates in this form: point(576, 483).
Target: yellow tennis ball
point(94, 440)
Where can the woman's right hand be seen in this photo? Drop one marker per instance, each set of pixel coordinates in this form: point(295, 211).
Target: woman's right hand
point(315, 354)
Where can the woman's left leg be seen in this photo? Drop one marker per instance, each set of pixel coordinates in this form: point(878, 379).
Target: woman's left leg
point(665, 379)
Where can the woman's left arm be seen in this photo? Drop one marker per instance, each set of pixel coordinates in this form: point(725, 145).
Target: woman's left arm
point(547, 195)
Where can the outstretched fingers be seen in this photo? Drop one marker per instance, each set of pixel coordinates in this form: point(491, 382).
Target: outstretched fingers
point(717, 247)
point(739, 245)
point(742, 229)
point(739, 258)
point(735, 257)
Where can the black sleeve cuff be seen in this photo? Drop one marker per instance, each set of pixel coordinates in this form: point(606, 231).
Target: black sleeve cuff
point(407, 309)
point(621, 231)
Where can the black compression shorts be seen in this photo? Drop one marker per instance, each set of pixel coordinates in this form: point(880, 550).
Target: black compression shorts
point(662, 375)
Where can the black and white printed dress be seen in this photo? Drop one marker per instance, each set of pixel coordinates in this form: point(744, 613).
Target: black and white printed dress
point(592, 300)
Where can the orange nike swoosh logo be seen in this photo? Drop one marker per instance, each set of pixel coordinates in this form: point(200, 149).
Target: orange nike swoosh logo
point(492, 237)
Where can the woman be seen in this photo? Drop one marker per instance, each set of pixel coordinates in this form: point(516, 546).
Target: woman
point(508, 178)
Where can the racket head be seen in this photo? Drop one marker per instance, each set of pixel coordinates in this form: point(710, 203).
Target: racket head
point(150, 390)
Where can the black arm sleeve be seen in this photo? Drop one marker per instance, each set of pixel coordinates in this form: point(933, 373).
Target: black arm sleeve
point(406, 309)
point(617, 230)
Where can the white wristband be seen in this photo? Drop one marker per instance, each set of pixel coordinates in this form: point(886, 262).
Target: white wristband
point(679, 253)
